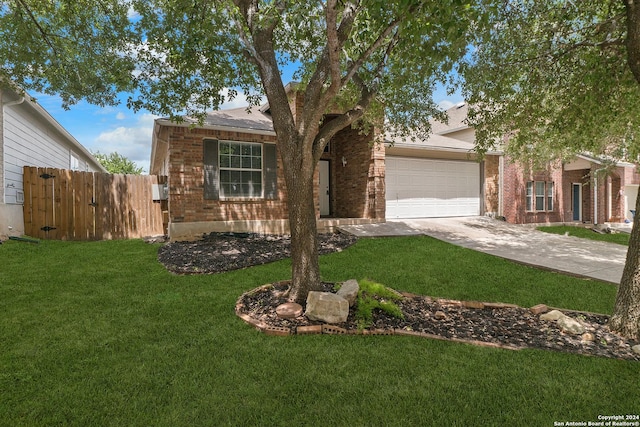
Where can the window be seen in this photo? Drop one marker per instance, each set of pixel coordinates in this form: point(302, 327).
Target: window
point(74, 163)
point(539, 196)
point(240, 169)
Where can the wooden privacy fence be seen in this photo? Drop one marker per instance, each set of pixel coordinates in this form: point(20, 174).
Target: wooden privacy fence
point(62, 204)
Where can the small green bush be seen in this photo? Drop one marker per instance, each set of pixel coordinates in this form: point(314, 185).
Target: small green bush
point(374, 296)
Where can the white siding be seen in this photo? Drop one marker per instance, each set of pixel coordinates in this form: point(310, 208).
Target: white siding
point(30, 141)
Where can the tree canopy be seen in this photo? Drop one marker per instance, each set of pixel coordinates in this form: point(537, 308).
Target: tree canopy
point(117, 163)
point(361, 58)
point(554, 76)
point(74, 49)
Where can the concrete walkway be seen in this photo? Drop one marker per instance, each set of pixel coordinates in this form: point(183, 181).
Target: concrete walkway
point(571, 255)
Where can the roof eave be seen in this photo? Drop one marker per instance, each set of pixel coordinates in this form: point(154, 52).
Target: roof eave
point(165, 122)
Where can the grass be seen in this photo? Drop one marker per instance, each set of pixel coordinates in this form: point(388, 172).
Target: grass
point(586, 233)
point(99, 333)
point(372, 296)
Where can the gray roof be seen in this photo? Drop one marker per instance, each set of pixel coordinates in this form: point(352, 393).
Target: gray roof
point(433, 142)
point(457, 120)
point(250, 118)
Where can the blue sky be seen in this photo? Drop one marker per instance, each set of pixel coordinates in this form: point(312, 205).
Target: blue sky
point(118, 129)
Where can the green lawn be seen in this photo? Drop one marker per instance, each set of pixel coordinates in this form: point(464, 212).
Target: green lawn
point(585, 233)
point(99, 334)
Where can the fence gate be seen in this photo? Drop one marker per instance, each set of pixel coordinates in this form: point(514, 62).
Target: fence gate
point(62, 204)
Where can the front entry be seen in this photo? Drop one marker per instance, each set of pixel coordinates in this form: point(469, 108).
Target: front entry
point(576, 198)
point(324, 192)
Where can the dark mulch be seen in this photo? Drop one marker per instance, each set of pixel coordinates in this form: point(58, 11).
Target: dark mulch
point(513, 326)
point(218, 252)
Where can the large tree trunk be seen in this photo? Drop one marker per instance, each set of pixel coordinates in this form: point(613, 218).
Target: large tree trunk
point(305, 267)
point(626, 313)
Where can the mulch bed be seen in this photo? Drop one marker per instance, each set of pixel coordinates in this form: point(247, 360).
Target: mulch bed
point(495, 325)
point(499, 325)
point(219, 252)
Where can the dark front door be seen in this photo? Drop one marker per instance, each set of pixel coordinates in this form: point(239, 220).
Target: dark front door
point(577, 202)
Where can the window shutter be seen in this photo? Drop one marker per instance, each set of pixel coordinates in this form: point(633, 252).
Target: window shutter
point(211, 170)
point(270, 164)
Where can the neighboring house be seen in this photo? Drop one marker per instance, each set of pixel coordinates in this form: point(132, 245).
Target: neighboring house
point(565, 192)
point(575, 191)
point(29, 136)
point(226, 175)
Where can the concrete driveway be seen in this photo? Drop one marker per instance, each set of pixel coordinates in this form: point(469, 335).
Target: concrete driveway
point(571, 255)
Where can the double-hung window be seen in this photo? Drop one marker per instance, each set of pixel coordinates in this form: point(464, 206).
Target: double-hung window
point(239, 170)
point(539, 196)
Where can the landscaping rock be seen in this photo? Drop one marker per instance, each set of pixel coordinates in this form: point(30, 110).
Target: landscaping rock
point(349, 291)
point(289, 310)
point(539, 309)
point(440, 315)
point(572, 326)
point(552, 315)
point(327, 307)
point(588, 337)
point(636, 348)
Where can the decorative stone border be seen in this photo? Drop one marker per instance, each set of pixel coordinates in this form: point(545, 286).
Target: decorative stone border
point(330, 329)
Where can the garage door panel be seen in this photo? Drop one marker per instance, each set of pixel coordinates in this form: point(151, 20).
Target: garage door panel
point(431, 188)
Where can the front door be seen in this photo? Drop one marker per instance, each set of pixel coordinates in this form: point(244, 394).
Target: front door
point(576, 198)
point(324, 192)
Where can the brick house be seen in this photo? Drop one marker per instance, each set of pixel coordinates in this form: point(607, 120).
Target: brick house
point(575, 191)
point(565, 192)
point(226, 175)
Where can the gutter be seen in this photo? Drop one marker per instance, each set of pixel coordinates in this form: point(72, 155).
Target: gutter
point(165, 122)
point(16, 102)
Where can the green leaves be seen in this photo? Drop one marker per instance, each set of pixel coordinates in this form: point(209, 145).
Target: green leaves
point(556, 73)
point(117, 163)
point(71, 48)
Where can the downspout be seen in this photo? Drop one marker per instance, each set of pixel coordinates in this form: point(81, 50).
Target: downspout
point(500, 185)
point(595, 200)
point(609, 213)
point(12, 103)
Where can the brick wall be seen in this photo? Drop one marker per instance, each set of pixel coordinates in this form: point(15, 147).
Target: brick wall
point(580, 176)
point(514, 193)
point(491, 183)
point(357, 187)
point(186, 181)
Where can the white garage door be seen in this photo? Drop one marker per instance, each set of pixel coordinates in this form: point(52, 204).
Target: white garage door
point(423, 188)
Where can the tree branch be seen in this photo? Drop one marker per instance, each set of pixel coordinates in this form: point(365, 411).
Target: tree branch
point(41, 30)
point(331, 128)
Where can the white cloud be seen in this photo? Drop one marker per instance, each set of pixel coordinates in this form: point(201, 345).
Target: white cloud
point(120, 115)
point(445, 104)
point(133, 142)
point(239, 101)
point(132, 14)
